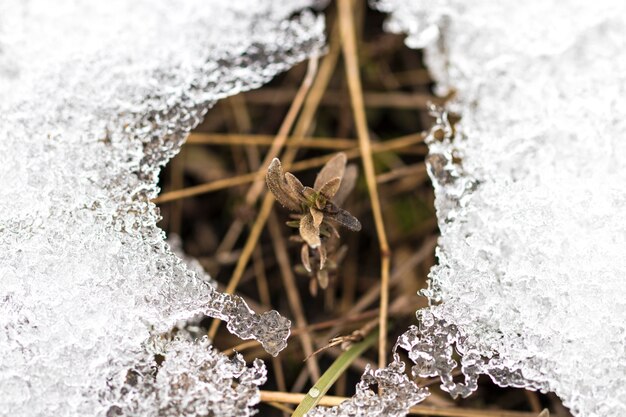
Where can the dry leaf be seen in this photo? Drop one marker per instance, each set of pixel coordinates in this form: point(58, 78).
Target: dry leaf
point(277, 184)
point(322, 277)
point(309, 231)
point(323, 255)
point(329, 189)
point(306, 260)
point(333, 168)
point(347, 184)
point(318, 216)
point(295, 186)
point(309, 195)
point(313, 287)
point(342, 217)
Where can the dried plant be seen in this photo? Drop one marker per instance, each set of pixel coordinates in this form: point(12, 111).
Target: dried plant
point(312, 266)
point(317, 210)
point(345, 342)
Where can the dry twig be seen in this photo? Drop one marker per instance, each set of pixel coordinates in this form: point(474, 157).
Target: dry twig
point(330, 401)
point(289, 281)
point(396, 144)
point(348, 42)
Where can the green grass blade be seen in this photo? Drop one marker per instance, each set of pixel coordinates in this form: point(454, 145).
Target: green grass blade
point(331, 375)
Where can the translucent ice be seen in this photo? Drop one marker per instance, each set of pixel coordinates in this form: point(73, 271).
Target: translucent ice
point(193, 379)
point(396, 394)
point(94, 98)
point(530, 198)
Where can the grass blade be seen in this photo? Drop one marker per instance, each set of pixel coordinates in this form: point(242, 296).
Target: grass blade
point(331, 375)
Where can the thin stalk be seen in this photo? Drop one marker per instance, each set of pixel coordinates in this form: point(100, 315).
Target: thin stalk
point(373, 99)
point(387, 146)
point(293, 296)
point(255, 233)
point(336, 144)
point(264, 295)
point(348, 42)
point(281, 137)
point(310, 107)
point(286, 410)
point(331, 401)
point(410, 171)
point(301, 128)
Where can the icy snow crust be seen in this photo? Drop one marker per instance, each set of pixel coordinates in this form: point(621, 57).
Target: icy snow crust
point(531, 201)
point(94, 98)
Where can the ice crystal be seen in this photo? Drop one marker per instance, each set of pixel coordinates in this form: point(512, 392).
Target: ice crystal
point(193, 379)
point(530, 199)
point(94, 98)
point(397, 393)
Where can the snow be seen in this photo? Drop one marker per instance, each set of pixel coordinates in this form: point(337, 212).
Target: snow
point(95, 97)
point(529, 287)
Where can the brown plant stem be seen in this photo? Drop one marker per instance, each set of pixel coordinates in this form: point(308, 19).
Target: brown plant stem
point(370, 296)
point(281, 137)
point(389, 145)
point(305, 120)
point(337, 144)
point(253, 237)
point(410, 171)
point(264, 295)
point(348, 42)
point(330, 401)
point(293, 296)
point(372, 99)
